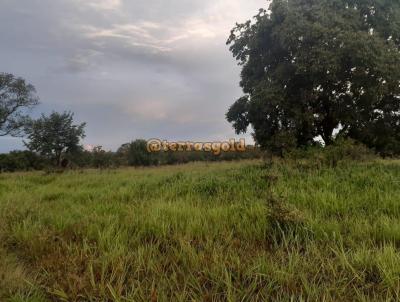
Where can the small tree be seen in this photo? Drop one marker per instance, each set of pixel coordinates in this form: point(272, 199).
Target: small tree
point(16, 96)
point(55, 135)
point(136, 154)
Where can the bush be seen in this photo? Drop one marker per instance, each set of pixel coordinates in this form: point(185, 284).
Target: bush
point(341, 150)
point(21, 161)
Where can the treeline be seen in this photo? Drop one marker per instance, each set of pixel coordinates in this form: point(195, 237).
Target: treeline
point(54, 141)
point(132, 154)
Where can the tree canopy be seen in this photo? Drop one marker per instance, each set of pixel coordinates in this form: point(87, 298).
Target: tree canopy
point(316, 67)
point(16, 96)
point(55, 135)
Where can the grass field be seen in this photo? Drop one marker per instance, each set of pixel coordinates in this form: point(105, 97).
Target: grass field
point(203, 232)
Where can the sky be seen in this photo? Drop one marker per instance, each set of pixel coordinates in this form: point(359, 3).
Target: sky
point(128, 68)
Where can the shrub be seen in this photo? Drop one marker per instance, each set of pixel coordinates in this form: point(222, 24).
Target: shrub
point(21, 161)
point(341, 150)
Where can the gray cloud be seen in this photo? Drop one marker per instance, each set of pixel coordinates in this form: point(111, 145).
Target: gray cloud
point(128, 68)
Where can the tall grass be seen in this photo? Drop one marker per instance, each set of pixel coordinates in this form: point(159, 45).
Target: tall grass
point(203, 232)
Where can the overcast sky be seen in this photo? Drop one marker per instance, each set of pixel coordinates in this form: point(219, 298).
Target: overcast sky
point(129, 68)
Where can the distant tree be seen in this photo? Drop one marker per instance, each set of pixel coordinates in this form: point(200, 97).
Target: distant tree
point(16, 97)
point(100, 158)
point(55, 135)
point(136, 154)
point(313, 67)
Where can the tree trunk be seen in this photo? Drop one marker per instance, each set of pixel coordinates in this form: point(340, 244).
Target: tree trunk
point(328, 127)
point(58, 159)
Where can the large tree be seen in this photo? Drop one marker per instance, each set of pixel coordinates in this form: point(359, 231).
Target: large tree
point(55, 135)
point(16, 97)
point(314, 67)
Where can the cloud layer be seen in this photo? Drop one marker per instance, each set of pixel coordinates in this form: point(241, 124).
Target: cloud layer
point(129, 68)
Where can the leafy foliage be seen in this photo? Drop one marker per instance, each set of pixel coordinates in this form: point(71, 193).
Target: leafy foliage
point(55, 135)
point(16, 96)
point(21, 161)
point(136, 154)
point(311, 67)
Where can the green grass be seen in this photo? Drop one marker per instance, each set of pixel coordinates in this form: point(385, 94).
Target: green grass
point(203, 232)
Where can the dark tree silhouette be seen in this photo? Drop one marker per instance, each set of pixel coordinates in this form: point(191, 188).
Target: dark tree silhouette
point(313, 67)
point(16, 97)
point(55, 135)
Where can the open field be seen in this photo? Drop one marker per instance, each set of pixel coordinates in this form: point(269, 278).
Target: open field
point(203, 232)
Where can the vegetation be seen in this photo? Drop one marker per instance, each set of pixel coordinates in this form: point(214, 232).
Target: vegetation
point(321, 223)
point(21, 161)
point(238, 231)
point(16, 97)
point(314, 68)
point(136, 154)
point(126, 156)
point(54, 136)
